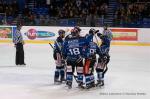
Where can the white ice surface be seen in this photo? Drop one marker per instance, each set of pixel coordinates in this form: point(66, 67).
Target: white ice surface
point(127, 77)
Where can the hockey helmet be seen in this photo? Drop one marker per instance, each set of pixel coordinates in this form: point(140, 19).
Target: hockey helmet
point(92, 31)
point(105, 27)
point(78, 28)
point(61, 33)
point(74, 32)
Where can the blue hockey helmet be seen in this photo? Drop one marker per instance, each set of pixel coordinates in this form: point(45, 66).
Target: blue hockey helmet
point(61, 33)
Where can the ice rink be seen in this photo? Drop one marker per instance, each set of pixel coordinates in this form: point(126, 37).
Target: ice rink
point(128, 75)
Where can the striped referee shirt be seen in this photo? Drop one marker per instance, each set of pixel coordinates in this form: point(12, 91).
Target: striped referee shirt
point(17, 38)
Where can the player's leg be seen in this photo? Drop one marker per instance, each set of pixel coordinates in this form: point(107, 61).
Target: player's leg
point(62, 70)
point(58, 68)
point(87, 73)
point(69, 73)
point(93, 60)
point(62, 73)
point(79, 70)
point(99, 70)
point(106, 61)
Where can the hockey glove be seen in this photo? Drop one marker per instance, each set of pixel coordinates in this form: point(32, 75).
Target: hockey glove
point(99, 35)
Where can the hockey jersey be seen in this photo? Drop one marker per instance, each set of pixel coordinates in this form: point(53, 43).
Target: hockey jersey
point(73, 47)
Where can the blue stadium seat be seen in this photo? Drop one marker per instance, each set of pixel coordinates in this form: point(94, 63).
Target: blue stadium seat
point(63, 22)
point(146, 24)
point(71, 22)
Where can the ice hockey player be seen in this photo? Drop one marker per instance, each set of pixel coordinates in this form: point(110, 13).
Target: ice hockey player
point(73, 52)
point(104, 58)
point(107, 32)
point(59, 75)
point(90, 58)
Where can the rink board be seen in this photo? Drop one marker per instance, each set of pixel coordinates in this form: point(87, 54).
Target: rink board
point(48, 34)
point(52, 42)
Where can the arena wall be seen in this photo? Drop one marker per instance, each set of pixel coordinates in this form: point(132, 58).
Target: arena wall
point(48, 34)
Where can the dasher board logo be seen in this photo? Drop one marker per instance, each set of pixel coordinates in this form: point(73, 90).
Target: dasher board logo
point(5, 32)
point(33, 34)
point(125, 34)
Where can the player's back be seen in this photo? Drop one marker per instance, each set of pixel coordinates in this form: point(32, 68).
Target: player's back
point(73, 47)
point(91, 49)
point(105, 41)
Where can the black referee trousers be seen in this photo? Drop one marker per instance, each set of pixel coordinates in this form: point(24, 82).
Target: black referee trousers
point(19, 54)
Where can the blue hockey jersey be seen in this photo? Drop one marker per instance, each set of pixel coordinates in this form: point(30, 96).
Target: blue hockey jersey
point(73, 47)
point(104, 48)
point(58, 45)
point(91, 50)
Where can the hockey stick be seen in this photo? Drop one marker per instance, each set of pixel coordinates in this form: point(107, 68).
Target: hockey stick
point(75, 77)
point(96, 40)
point(51, 45)
point(106, 62)
point(105, 70)
point(96, 37)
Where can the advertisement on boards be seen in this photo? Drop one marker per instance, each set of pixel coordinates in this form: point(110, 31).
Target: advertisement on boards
point(6, 32)
point(125, 34)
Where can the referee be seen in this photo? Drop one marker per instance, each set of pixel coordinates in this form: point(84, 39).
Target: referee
point(18, 41)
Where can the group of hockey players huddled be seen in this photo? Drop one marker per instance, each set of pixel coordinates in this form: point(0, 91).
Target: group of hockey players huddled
point(76, 57)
